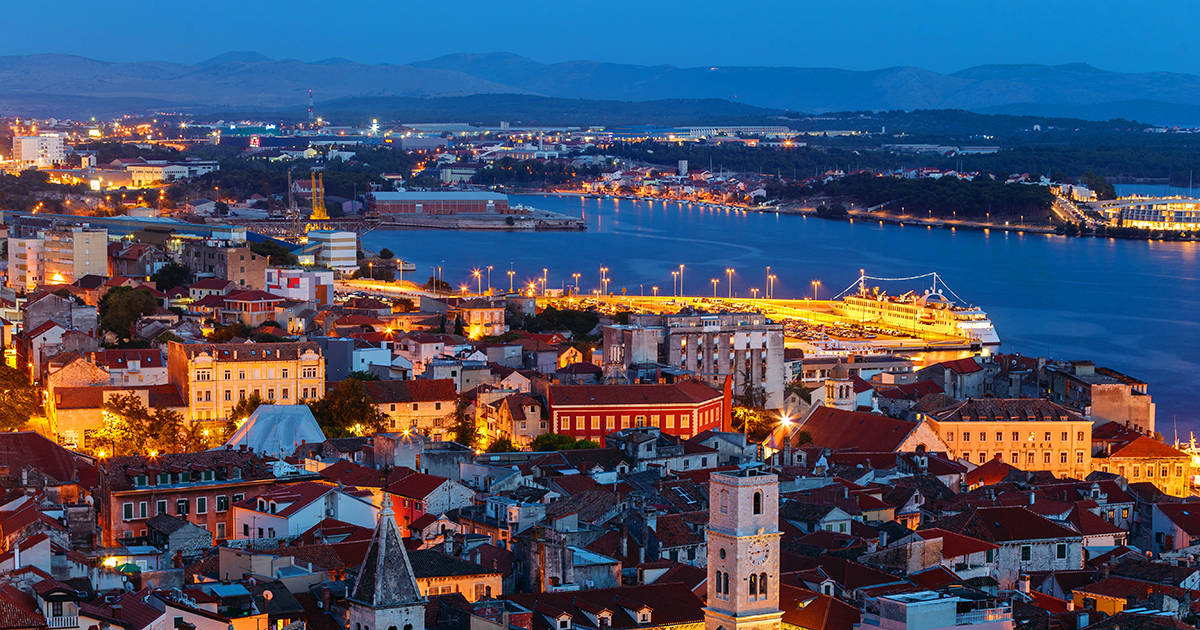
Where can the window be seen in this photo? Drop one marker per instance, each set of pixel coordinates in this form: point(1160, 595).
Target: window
point(753, 586)
point(950, 437)
point(1046, 457)
point(1047, 437)
point(181, 507)
point(758, 503)
point(724, 508)
point(202, 505)
point(127, 511)
point(221, 530)
point(228, 395)
point(283, 394)
point(1078, 457)
point(1026, 553)
point(983, 436)
point(222, 503)
point(982, 456)
point(1125, 513)
point(1016, 458)
point(1079, 435)
point(160, 507)
point(437, 406)
point(966, 436)
point(246, 530)
point(142, 509)
point(1016, 436)
point(762, 585)
point(999, 436)
point(283, 373)
point(1062, 457)
point(56, 609)
point(1064, 436)
point(1060, 551)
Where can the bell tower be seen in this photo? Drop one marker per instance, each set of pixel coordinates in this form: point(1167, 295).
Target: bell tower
point(386, 595)
point(743, 551)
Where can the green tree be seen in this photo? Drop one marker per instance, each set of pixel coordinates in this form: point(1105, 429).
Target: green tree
point(386, 254)
point(559, 442)
point(122, 306)
point(363, 375)
point(458, 326)
point(463, 424)
point(19, 399)
point(130, 428)
point(222, 334)
point(170, 276)
point(245, 407)
point(347, 410)
point(276, 254)
point(503, 445)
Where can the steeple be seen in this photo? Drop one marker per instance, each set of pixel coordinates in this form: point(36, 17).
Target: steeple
point(385, 579)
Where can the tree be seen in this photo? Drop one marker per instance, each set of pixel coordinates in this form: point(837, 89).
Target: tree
point(463, 424)
point(363, 375)
point(559, 442)
point(433, 284)
point(503, 445)
point(347, 410)
point(245, 407)
point(276, 254)
point(222, 334)
point(458, 326)
point(171, 276)
point(122, 306)
point(19, 399)
point(131, 429)
point(386, 254)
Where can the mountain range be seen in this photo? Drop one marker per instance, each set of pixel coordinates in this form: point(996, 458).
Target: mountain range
point(67, 85)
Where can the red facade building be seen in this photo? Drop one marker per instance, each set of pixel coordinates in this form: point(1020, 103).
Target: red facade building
point(593, 411)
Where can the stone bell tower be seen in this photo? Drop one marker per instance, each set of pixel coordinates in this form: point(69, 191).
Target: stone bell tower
point(385, 595)
point(743, 551)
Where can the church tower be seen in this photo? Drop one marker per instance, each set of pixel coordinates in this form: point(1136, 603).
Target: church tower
point(385, 595)
point(743, 551)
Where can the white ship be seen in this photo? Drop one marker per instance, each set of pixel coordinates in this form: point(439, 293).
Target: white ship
point(928, 312)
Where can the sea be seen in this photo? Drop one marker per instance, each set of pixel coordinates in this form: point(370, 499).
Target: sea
point(1130, 305)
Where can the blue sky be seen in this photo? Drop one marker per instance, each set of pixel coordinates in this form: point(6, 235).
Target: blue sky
point(855, 34)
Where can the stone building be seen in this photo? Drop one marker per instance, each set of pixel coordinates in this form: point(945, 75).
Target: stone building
point(743, 551)
point(386, 594)
point(223, 259)
point(213, 377)
point(713, 346)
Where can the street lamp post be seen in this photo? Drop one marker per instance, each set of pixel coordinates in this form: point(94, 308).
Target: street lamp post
point(604, 280)
point(655, 290)
point(511, 273)
point(681, 280)
point(489, 270)
point(767, 286)
point(478, 280)
point(715, 282)
point(729, 277)
point(770, 286)
point(816, 284)
point(575, 277)
point(754, 293)
point(675, 283)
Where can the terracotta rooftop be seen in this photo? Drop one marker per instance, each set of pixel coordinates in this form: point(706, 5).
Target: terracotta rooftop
point(685, 393)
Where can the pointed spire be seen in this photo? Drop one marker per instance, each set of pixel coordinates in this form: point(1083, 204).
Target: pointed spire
point(385, 579)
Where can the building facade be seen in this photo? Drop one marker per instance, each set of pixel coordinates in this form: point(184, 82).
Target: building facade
point(214, 258)
point(214, 377)
point(591, 412)
point(438, 203)
point(1030, 434)
point(713, 346)
point(336, 250)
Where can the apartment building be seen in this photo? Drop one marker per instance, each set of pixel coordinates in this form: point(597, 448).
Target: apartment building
point(592, 412)
point(336, 250)
point(43, 150)
point(213, 377)
point(214, 258)
point(1028, 433)
point(713, 346)
point(57, 256)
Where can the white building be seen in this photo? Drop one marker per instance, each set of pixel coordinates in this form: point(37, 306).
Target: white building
point(291, 510)
point(926, 610)
point(336, 250)
point(306, 285)
point(43, 150)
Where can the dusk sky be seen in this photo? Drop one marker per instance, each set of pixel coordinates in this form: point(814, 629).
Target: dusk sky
point(938, 35)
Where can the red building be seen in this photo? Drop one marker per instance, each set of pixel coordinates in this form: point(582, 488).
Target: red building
point(198, 487)
point(593, 411)
point(438, 203)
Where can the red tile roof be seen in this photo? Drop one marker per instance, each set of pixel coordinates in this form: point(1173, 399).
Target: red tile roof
point(1186, 516)
point(855, 430)
point(803, 608)
point(1006, 524)
point(686, 392)
point(955, 545)
point(988, 473)
point(120, 358)
point(421, 390)
point(413, 485)
point(29, 449)
point(1142, 446)
point(18, 610)
point(93, 397)
point(296, 495)
point(962, 366)
point(349, 473)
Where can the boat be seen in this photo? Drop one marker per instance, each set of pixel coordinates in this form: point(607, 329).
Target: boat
point(931, 311)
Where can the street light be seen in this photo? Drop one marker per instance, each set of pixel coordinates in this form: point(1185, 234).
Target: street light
point(575, 277)
point(816, 284)
point(767, 293)
point(754, 293)
point(675, 283)
point(729, 276)
point(478, 280)
point(371, 266)
point(770, 286)
point(655, 290)
point(489, 270)
point(715, 282)
point(511, 273)
point(681, 280)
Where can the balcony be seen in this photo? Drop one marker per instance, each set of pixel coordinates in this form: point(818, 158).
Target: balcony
point(984, 615)
point(62, 622)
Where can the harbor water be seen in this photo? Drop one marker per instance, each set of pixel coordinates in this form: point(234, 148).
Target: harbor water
point(1127, 304)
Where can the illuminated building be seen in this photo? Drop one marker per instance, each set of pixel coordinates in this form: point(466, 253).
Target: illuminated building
point(681, 409)
point(1030, 434)
point(43, 151)
point(438, 203)
point(59, 256)
point(215, 376)
point(1174, 214)
point(336, 250)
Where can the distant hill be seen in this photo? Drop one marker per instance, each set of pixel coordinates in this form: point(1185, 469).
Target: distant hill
point(74, 85)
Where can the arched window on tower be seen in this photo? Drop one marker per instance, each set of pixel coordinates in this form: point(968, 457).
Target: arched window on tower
point(758, 503)
point(753, 586)
point(762, 584)
point(724, 501)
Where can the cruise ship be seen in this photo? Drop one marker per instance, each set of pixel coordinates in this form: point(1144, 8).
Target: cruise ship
point(927, 312)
